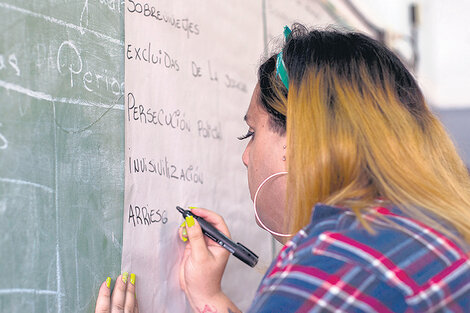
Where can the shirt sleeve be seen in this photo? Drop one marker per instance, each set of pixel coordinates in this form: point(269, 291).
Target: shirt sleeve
point(319, 283)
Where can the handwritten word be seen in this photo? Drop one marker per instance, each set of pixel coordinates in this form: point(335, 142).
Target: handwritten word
point(12, 61)
point(174, 119)
point(232, 83)
point(206, 130)
point(142, 215)
point(152, 57)
point(69, 61)
point(73, 61)
point(198, 71)
point(164, 168)
point(3, 141)
point(150, 11)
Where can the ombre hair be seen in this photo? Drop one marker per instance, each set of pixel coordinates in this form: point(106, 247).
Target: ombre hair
point(358, 131)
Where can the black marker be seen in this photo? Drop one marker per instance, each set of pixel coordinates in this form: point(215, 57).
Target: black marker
point(237, 249)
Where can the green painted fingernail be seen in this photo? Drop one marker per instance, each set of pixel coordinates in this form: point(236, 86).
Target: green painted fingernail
point(192, 207)
point(132, 280)
point(124, 277)
point(108, 282)
point(189, 221)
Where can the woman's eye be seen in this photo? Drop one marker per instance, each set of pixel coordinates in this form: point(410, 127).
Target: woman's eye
point(247, 135)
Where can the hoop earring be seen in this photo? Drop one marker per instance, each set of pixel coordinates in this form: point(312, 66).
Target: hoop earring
point(256, 210)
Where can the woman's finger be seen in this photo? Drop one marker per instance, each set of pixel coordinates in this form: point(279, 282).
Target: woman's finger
point(129, 306)
point(215, 219)
point(136, 308)
point(119, 293)
point(199, 250)
point(103, 303)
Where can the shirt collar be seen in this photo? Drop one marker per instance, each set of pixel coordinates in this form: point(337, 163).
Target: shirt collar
point(322, 211)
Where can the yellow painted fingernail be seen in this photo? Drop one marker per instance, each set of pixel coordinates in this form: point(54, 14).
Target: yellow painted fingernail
point(108, 282)
point(132, 279)
point(189, 221)
point(192, 207)
point(184, 233)
point(124, 277)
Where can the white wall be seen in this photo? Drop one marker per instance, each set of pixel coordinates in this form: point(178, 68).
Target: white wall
point(444, 44)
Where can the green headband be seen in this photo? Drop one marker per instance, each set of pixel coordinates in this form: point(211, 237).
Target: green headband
point(280, 66)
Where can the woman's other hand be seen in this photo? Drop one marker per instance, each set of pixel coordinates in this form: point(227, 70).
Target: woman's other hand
point(203, 263)
point(122, 299)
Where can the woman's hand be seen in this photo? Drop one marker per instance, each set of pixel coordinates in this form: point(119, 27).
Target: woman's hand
point(122, 299)
point(203, 264)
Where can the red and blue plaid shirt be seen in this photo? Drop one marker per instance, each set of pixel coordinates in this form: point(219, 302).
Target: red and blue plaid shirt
point(335, 265)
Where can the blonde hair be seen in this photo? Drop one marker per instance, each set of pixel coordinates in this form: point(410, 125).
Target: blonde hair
point(358, 130)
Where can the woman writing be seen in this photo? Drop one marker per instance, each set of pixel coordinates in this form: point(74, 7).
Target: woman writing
point(361, 184)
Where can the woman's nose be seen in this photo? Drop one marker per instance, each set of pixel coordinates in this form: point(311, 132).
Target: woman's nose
point(245, 157)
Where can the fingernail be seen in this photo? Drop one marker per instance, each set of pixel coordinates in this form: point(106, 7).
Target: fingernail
point(184, 233)
point(124, 277)
point(192, 207)
point(132, 279)
point(189, 221)
point(108, 282)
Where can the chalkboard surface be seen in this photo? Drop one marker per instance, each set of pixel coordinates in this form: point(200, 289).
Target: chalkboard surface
point(61, 152)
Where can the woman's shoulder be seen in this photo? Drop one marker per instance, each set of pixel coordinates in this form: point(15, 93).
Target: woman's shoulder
point(401, 251)
point(396, 241)
point(403, 264)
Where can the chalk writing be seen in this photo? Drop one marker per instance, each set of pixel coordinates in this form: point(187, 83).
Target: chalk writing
point(84, 17)
point(157, 15)
point(113, 5)
point(165, 168)
point(146, 54)
point(12, 62)
point(143, 215)
point(60, 22)
point(3, 141)
point(44, 96)
point(69, 61)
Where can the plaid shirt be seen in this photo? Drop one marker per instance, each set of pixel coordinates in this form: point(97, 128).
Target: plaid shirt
point(335, 265)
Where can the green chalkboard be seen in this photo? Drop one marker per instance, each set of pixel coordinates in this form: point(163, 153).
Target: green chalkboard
point(61, 152)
